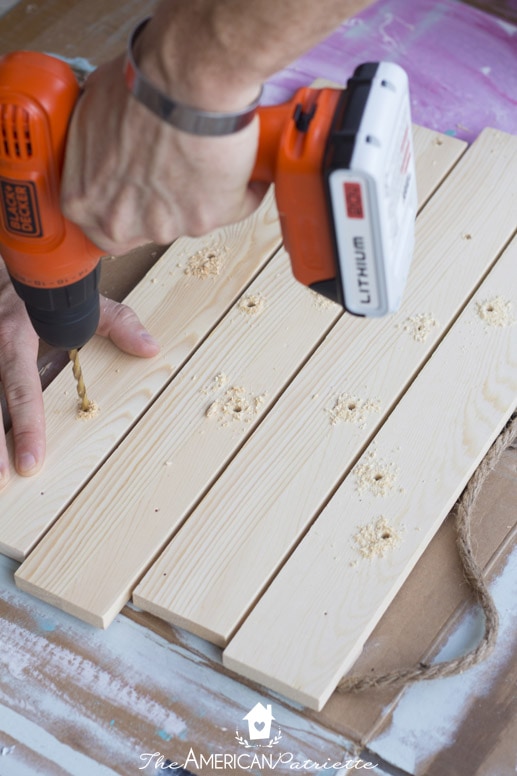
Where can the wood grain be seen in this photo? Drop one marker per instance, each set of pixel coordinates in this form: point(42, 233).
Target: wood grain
point(232, 544)
point(180, 310)
point(260, 352)
point(123, 517)
point(434, 440)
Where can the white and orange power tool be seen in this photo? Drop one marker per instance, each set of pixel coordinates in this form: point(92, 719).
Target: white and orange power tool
point(341, 161)
point(343, 167)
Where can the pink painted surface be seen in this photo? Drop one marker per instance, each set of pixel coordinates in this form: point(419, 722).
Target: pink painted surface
point(461, 62)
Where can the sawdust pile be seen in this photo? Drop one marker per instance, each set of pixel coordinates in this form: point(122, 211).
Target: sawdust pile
point(205, 263)
point(252, 304)
point(92, 411)
point(349, 408)
point(376, 538)
point(236, 404)
point(375, 475)
point(496, 312)
point(420, 326)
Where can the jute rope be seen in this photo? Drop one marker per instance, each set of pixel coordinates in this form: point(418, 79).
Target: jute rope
point(474, 577)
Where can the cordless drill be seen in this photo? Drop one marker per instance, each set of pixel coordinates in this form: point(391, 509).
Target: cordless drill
point(53, 266)
point(342, 164)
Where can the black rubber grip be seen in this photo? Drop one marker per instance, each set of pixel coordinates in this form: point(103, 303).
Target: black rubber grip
point(65, 317)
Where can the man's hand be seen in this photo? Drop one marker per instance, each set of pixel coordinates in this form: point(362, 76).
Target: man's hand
point(19, 371)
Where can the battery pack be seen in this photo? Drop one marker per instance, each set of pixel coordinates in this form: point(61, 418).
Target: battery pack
point(371, 189)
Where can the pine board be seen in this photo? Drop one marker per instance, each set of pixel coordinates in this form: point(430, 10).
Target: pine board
point(159, 476)
point(259, 508)
point(76, 450)
point(180, 309)
point(432, 443)
point(243, 494)
point(123, 517)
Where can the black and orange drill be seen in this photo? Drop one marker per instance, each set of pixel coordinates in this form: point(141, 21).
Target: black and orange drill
point(55, 268)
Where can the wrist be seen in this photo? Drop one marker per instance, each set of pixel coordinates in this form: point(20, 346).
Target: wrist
point(182, 116)
point(192, 72)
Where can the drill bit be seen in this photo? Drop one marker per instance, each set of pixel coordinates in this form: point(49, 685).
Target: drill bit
point(78, 374)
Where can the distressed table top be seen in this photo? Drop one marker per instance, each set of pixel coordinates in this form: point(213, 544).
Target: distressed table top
point(75, 699)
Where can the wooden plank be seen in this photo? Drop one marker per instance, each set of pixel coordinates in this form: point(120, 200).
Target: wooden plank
point(180, 308)
point(244, 528)
point(366, 541)
point(31, 505)
point(123, 517)
point(250, 352)
point(435, 156)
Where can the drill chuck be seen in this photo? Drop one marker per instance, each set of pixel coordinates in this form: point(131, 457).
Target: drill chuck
point(67, 316)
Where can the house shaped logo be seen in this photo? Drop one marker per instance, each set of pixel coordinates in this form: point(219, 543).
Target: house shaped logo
point(259, 721)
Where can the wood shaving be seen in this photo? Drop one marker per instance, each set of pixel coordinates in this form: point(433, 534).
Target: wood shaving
point(92, 411)
point(352, 409)
point(375, 475)
point(236, 404)
point(252, 304)
point(216, 384)
point(420, 326)
point(205, 263)
point(496, 312)
point(376, 538)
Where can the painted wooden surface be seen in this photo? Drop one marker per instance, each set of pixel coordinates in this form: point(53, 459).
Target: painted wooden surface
point(101, 700)
point(470, 732)
point(160, 476)
point(460, 62)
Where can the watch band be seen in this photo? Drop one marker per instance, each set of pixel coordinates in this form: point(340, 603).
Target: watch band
point(179, 115)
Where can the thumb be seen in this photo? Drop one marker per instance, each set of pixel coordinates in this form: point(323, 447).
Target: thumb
point(121, 325)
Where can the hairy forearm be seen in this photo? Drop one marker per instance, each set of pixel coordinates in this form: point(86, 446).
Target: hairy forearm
point(215, 53)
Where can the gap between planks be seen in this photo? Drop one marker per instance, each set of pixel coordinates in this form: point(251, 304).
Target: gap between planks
point(152, 470)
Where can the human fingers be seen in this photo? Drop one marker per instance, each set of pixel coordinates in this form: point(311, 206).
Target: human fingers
point(22, 386)
point(121, 325)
